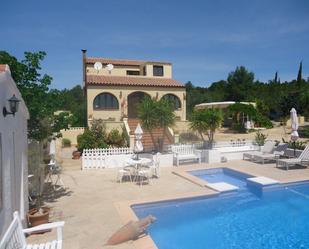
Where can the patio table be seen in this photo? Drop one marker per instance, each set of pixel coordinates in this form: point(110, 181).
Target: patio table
point(138, 165)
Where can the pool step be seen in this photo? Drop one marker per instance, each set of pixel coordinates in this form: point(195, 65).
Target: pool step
point(261, 181)
point(222, 186)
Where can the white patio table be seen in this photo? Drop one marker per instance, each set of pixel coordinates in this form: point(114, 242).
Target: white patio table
point(138, 165)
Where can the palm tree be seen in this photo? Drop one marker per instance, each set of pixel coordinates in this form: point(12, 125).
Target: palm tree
point(206, 121)
point(156, 114)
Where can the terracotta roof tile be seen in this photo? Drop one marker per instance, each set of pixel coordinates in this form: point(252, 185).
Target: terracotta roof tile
point(131, 81)
point(121, 62)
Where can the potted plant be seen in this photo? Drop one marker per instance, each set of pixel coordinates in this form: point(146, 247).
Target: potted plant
point(260, 139)
point(76, 154)
point(38, 214)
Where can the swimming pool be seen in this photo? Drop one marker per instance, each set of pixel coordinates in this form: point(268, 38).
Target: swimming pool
point(277, 219)
point(222, 175)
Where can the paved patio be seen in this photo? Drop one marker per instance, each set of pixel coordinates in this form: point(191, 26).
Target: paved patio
point(88, 204)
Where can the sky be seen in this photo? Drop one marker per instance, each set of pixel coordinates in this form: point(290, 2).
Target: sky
point(205, 40)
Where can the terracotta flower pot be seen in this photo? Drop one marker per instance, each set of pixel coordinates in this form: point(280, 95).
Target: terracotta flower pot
point(76, 154)
point(35, 218)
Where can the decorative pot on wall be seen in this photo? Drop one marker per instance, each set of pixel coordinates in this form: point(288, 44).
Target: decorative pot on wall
point(76, 154)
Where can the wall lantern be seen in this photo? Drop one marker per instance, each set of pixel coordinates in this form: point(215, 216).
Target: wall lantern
point(13, 103)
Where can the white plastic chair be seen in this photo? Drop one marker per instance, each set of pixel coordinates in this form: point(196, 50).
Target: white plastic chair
point(156, 165)
point(144, 174)
point(126, 170)
point(14, 237)
point(54, 174)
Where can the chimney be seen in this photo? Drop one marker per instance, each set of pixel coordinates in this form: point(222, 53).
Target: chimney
point(84, 51)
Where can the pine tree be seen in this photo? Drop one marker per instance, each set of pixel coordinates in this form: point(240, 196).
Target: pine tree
point(299, 76)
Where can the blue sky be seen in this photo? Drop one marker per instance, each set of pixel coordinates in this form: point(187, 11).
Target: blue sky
point(205, 40)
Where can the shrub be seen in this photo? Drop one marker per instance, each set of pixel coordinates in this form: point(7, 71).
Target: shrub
point(95, 137)
point(306, 132)
point(298, 145)
point(125, 137)
point(260, 138)
point(66, 142)
point(262, 121)
point(115, 139)
point(239, 128)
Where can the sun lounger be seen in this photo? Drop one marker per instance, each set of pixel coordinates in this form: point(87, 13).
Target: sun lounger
point(279, 151)
point(303, 160)
point(268, 148)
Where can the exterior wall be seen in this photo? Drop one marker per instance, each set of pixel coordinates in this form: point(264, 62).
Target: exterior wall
point(72, 134)
point(121, 93)
point(117, 71)
point(167, 70)
point(122, 70)
point(181, 126)
point(13, 155)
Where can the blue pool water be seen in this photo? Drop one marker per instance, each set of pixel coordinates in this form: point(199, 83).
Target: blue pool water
point(277, 219)
point(222, 175)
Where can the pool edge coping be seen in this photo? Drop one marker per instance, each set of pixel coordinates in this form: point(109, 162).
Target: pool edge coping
point(183, 173)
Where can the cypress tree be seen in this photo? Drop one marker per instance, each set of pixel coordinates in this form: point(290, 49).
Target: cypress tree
point(276, 77)
point(299, 76)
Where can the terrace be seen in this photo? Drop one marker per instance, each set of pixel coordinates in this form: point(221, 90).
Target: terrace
point(95, 205)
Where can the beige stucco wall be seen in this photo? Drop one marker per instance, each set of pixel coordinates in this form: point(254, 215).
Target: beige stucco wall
point(167, 70)
point(121, 93)
point(72, 134)
point(117, 71)
point(122, 70)
point(181, 126)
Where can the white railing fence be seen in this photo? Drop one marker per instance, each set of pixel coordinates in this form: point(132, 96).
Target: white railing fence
point(219, 144)
point(183, 148)
point(105, 158)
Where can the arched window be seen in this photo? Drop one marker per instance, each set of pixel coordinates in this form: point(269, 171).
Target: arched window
point(174, 100)
point(105, 101)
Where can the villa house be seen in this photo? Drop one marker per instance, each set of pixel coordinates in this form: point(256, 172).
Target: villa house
point(114, 88)
point(13, 151)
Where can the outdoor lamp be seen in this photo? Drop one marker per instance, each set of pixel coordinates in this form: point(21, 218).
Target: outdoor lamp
point(13, 103)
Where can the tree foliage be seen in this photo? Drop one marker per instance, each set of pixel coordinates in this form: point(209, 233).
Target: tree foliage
point(156, 114)
point(33, 86)
point(274, 98)
point(41, 101)
point(240, 84)
point(206, 121)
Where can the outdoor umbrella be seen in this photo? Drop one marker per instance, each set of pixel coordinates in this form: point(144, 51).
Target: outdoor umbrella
point(52, 150)
point(294, 126)
point(138, 147)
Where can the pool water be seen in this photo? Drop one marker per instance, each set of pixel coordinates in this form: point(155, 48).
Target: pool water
point(222, 175)
point(277, 219)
